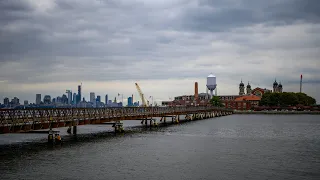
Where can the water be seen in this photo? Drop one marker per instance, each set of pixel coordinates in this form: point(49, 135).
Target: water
point(230, 147)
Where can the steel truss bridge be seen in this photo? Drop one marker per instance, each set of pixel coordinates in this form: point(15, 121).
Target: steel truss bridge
point(25, 120)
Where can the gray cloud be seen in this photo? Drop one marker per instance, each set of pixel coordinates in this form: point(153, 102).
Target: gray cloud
point(218, 16)
point(107, 40)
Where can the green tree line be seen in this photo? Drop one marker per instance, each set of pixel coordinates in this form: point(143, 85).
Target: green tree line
point(286, 99)
point(215, 101)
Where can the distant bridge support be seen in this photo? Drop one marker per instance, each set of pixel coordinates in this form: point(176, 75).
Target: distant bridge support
point(74, 130)
point(118, 127)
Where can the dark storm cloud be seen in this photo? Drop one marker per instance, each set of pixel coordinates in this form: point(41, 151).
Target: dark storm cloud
point(217, 16)
point(120, 39)
point(10, 6)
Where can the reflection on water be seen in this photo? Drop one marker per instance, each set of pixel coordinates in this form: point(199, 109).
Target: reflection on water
point(230, 147)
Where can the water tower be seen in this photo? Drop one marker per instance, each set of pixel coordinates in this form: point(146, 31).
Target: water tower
point(211, 84)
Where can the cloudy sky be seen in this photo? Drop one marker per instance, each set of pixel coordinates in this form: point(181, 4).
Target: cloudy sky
point(49, 46)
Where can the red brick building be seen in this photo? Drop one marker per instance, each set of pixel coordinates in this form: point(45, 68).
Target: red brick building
point(242, 102)
point(259, 91)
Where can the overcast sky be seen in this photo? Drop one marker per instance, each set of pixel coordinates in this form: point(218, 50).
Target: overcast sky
point(49, 46)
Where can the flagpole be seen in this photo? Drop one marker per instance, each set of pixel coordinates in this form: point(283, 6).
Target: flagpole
point(300, 83)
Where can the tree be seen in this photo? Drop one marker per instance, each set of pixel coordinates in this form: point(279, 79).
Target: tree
point(286, 99)
point(265, 99)
point(215, 101)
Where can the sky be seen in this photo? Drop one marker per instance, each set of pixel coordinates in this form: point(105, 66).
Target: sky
point(165, 46)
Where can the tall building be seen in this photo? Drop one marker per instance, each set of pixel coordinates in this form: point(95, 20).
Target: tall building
point(130, 103)
point(6, 101)
point(92, 97)
point(79, 94)
point(69, 94)
point(74, 98)
point(25, 102)
point(98, 99)
point(15, 101)
point(64, 99)
point(47, 99)
point(38, 98)
point(106, 99)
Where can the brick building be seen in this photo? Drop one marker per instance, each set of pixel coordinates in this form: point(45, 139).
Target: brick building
point(242, 102)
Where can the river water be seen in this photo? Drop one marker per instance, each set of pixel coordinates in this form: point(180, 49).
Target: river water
point(230, 147)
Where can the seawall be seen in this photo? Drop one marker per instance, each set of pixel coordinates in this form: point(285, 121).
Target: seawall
point(278, 112)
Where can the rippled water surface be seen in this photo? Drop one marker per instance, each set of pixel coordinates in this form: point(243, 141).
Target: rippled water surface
point(230, 147)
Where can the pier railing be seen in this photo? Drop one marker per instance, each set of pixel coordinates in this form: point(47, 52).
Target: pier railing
point(29, 116)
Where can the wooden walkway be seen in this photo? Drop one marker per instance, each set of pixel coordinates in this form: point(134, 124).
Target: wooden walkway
point(24, 120)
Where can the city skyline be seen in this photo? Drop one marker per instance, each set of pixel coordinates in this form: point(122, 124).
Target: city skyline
point(93, 97)
point(51, 50)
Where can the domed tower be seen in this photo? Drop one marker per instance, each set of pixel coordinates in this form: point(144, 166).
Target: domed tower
point(241, 88)
point(275, 86)
point(249, 88)
point(280, 87)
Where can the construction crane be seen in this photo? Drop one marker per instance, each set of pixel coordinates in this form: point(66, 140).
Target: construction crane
point(144, 104)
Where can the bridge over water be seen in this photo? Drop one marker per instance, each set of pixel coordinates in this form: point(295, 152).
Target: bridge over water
point(25, 120)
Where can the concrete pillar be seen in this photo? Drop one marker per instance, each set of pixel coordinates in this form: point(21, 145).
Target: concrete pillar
point(74, 129)
point(69, 130)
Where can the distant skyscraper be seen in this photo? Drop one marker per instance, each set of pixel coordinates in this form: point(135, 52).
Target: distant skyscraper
point(98, 99)
point(64, 99)
point(79, 94)
point(130, 101)
point(106, 99)
point(25, 102)
point(74, 98)
point(38, 98)
point(6, 101)
point(58, 99)
point(47, 99)
point(92, 97)
point(69, 94)
point(15, 101)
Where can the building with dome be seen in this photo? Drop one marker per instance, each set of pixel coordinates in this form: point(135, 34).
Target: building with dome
point(277, 88)
point(248, 97)
point(244, 100)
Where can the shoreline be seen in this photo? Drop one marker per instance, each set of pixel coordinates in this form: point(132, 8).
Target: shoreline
point(278, 112)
